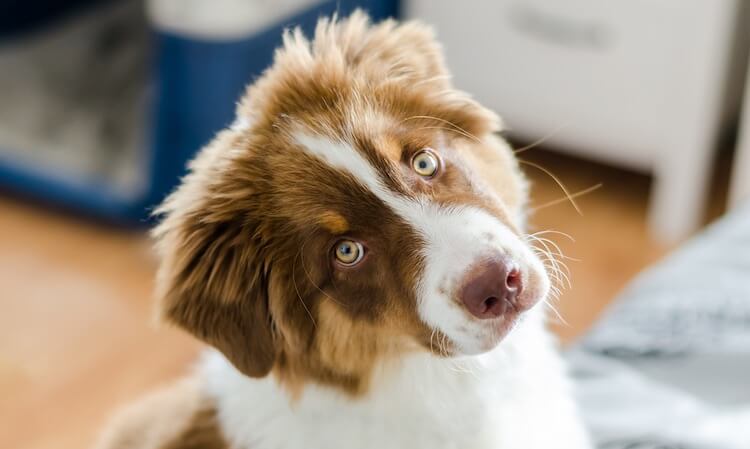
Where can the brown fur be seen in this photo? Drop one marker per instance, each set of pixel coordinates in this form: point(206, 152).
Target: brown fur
point(245, 241)
point(178, 417)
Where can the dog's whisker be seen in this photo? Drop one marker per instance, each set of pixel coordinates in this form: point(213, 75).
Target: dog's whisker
point(464, 369)
point(556, 179)
point(309, 277)
point(296, 288)
point(549, 263)
point(448, 122)
point(445, 345)
point(559, 257)
point(563, 278)
point(553, 297)
point(327, 296)
point(554, 231)
point(558, 270)
point(546, 250)
point(556, 277)
point(541, 140)
point(559, 263)
point(557, 313)
point(455, 130)
point(567, 198)
point(553, 271)
point(545, 241)
point(557, 248)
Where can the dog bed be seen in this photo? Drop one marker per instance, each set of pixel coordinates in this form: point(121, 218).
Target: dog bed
point(668, 366)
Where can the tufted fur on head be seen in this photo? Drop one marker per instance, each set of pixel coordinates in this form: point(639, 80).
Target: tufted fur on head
point(321, 150)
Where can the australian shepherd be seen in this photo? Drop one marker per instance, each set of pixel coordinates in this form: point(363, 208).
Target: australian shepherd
point(353, 250)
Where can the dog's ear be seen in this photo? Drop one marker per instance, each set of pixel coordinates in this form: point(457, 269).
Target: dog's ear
point(211, 280)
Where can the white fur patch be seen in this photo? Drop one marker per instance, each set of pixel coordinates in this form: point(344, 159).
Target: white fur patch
point(514, 397)
point(342, 156)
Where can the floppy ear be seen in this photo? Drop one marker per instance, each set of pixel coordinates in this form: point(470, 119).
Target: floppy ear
point(211, 282)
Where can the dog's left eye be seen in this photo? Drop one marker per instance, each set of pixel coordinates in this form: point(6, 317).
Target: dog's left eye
point(425, 163)
point(349, 252)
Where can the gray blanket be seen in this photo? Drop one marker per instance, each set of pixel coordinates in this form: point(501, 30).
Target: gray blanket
point(669, 365)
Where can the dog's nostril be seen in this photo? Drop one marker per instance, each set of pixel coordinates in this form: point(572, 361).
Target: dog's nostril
point(494, 307)
point(490, 303)
point(513, 281)
point(490, 289)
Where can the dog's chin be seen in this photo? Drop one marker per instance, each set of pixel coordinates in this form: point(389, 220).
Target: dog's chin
point(479, 338)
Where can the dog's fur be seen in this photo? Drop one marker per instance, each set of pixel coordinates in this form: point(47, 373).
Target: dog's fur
point(313, 354)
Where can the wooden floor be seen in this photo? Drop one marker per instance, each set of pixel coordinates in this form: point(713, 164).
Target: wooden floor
point(76, 336)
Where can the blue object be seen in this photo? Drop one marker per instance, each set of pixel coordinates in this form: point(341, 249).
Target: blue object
point(197, 85)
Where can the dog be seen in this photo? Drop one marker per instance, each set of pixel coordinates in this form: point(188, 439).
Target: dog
point(353, 250)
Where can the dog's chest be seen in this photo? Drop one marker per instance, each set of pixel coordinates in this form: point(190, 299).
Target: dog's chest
point(406, 424)
point(488, 402)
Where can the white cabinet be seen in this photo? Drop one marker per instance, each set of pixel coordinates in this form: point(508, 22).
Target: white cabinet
point(739, 189)
point(638, 83)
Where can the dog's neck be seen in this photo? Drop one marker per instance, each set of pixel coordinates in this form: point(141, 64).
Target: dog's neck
point(451, 396)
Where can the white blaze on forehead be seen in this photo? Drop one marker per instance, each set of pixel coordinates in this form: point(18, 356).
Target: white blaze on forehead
point(455, 237)
point(344, 157)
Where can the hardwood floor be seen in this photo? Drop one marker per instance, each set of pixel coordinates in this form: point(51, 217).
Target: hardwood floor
point(76, 335)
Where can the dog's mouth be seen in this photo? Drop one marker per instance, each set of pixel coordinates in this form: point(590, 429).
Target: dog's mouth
point(500, 327)
point(492, 332)
point(494, 305)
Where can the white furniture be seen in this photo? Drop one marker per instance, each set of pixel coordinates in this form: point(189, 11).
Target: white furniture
point(739, 188)
point(638, 83)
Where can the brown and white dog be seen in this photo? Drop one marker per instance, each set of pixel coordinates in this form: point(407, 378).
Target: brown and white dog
point(353, 249)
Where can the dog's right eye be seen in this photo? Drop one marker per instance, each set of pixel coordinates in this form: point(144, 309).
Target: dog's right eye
point(425, 163)
point(349, 252)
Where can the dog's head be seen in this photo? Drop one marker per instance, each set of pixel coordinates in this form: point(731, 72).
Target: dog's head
point(360, 207)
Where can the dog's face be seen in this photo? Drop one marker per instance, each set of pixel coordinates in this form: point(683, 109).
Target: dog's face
point(360, 208)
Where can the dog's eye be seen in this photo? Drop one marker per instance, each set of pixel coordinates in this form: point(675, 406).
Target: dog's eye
point(349, 252)
point(425, 163)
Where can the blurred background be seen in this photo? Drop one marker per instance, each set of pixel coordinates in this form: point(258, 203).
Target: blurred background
point(628, 116)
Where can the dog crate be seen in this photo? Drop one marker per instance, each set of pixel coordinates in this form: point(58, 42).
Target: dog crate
point(104, 102)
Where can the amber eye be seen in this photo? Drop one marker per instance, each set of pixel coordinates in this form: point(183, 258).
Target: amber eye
point(349, 252)
point(425, 163)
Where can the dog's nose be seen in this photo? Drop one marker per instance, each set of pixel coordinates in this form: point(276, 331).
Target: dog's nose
point(491, 288)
